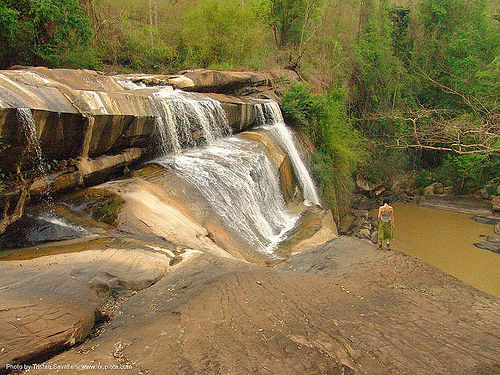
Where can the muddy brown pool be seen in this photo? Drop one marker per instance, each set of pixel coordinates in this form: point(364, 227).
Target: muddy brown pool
point(446, 240)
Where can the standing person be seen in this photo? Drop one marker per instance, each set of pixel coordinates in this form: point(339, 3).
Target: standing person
point(385, 224)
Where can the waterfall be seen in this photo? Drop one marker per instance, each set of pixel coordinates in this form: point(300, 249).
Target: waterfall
point(25, 118)
point(181, 116)
point(241, 185)
point(270, 113)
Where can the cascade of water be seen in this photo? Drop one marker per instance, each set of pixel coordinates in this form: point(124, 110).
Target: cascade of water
point(240, 184)
point(25, 118)
point(130, 85)
point(270, 113)
point(181, 116)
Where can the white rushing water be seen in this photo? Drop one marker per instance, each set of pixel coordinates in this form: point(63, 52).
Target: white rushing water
point(272, 119)
point(241, 185)
point(25, 118)
point(130, 85)
point(187, 120)
point(51, 218)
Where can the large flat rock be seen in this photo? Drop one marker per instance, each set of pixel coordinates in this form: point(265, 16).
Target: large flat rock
point(342, 308)
point(50, 303)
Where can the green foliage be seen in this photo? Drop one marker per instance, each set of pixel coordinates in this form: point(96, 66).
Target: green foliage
point(48, 32)
point(223, 33)
point(378, 74)
point(469, 173)
point(382, 164)
point(289, 18)
point(324, 118)
point(455, 45)
point(465, 174)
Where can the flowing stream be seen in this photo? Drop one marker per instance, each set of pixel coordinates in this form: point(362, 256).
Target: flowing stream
point(271, 117)
point(25, 118)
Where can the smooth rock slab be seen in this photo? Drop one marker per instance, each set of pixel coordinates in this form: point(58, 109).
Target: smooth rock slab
point(51, 303)
point(342, 308)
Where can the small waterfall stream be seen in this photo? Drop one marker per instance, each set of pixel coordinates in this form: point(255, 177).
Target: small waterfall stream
point(25, 118)
point(187, 120)
point(241, 185)
point(272, 119)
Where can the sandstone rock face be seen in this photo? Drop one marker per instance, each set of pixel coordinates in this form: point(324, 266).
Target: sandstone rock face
point(289, 186)
point(82, 113)
point(203, 80)
point(497, 228)
point(341, 308)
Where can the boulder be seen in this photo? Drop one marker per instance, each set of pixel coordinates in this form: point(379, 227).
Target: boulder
point(436, 188)
point(484, 219)
point(493, 239)
point(360, 213)
point(374, 237)
point(346, 223)
point(364, 234)
point(495, 203)
point(365, 204)
point(491, 246)
point(483, 194)
point(203, 80)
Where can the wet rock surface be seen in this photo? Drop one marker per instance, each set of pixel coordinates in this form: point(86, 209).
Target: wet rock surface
point(489, 245)
point(39, 229)
point(340, 308)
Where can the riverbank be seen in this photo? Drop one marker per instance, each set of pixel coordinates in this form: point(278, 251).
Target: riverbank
point(446, 240)
point(341, 308)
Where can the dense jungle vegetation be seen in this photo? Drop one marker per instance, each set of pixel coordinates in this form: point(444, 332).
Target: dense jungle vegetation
point(389, 86)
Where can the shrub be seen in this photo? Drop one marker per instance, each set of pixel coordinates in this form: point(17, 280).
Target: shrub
point(324, 118)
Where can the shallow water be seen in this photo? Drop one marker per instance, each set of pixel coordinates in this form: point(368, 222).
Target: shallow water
point(446, 240)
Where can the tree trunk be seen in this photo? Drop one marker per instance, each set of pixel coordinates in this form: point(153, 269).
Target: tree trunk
point(151, 23)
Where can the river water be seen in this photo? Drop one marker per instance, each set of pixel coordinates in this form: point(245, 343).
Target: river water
point(446, 240)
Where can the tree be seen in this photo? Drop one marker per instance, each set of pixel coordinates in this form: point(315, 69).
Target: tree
point(47, 32)
point(378, 74)
point(289, 19)
point(224, 33)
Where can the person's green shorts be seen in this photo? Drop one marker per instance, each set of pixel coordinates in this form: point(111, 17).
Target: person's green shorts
point(385, 231)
